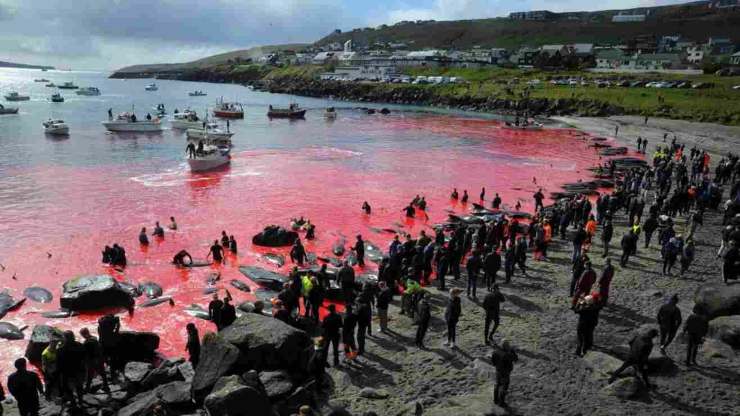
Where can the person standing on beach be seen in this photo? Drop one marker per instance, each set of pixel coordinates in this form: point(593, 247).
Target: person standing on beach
point(640, 348)
point(492, 306)
point(423, 317)
point(616, 130)
point(473, 267)
point(331, 328)
point(503, 358)
point(696, 328)
point(452, 316)
point(605, 282)
point(25, 386)
point(607, 232)
point(669, 321)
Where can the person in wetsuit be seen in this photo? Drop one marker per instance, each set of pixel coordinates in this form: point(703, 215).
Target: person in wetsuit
point(503, 358)
point(496, 204)
point(143, 239)
point(359, 250)
point(224, 240)
point(158, 230)
point(214, 311)
point(298, 253)
point(366, 208)
point(410, 211)
point(216, 251)
point(669, 320)
point(465, 196)
point(454, 194)
point(232, 244)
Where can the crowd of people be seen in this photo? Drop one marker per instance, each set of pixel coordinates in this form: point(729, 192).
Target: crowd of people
point(676, 184)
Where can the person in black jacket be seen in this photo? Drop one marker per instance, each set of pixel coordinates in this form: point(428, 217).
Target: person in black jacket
point(71, 358)
point(651, 224)
point(382, 301)
point(317, 363)
point(696, 328)
point(588, 318)
point(423, 318)
point(193, 344)
point(503, 358)
point(315, 299)
point(669, 321)
point(579, 237)
point(492, 306)
point(228, 312)
point(25, 386)
point(640, 348)
point(607, 233)
point(348, 333)
point(359, 249)
point(94, 360)
point(364, 320)
point(629, 244)
point(298, 253)
point(346, 278)
point(442, 267)
point(452, 316)
point(473, 267)
point(491, 266)
point(331, 327)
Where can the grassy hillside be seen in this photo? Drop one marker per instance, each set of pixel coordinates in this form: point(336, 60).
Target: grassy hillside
point(693, 21)
point(214, 60)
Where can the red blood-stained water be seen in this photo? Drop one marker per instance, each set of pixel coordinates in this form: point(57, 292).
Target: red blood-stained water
point(74, 212)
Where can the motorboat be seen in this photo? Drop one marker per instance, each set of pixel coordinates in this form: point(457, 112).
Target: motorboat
point(58, 127)
point(51, 85)
point(40, 80)
point(151, 87)
point(330, 113)
point(68, 86)
point(8, 110)
point(211, 130)
point(160, 110)
point(127, 122)
point(228, 110)
point(186, 120)
point(209, 157)
point(293, 111)
point(88, 91)
point(57, 98)
point(14, 96)
point(197, 93)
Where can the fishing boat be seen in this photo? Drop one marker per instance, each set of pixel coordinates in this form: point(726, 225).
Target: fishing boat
point(209, 157)
point(293, 111)
point(14, 96)
point(57, 98)
point(57, 127)
point(197, 93)
point(211, 130)
point(159, 110)
point(88, 91)
point(186, 120)
point(40, 80)
point(68, 86)
point(127, 122)
point(51, 85)
point(8, 110)
point(228, 110)
point(151, 87)
point(330, 113)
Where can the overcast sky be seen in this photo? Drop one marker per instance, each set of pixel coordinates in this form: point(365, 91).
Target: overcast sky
point(108, 34)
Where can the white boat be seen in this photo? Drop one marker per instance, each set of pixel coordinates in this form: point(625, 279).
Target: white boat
point(128, 122)
point(212, 157)
point(58, 127)
point(186, 120)
point(14, 96)
point(88, 91)
point(68, 86)
point(330, 113)
point(151, 87)
point(197, 93)
point(210, 131)
point(8, 110)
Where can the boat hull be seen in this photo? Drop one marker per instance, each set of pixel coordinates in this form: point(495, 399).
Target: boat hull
point(8, 111)
point(62, 87)
point(197, 134)
point(139, 126)
point(17, 98)
point(209, 162)
point(286, 114)
point(184, 124)
point(228, 114)
point(59, 131)
point(535, 127)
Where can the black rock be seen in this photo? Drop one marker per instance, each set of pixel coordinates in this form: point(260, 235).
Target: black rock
point(718, 300)
point(175, 396)
point(134, 373)
point(94, 292)
point(267, 343)
point(278, 384)
point(137, 346)
point(8, 303)
point(10, 331)
point(167, 372)
point(40, 339)
point(274, 236)
point(231, 397)
point(217, 359)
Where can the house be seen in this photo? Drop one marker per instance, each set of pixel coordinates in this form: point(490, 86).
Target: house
point(674, 43)
point(323, 58)
point(361, 73)
point(723, 5)
point(609, 58)
point(628, 18)
point(653, 61)
point(532, 15)
point(695, 54)
point(735, 59)
point(524, 56)
point(720, 46)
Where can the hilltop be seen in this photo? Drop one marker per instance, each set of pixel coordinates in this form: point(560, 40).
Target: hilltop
point(694, 21)
point(23, 66)
point(223, 58)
